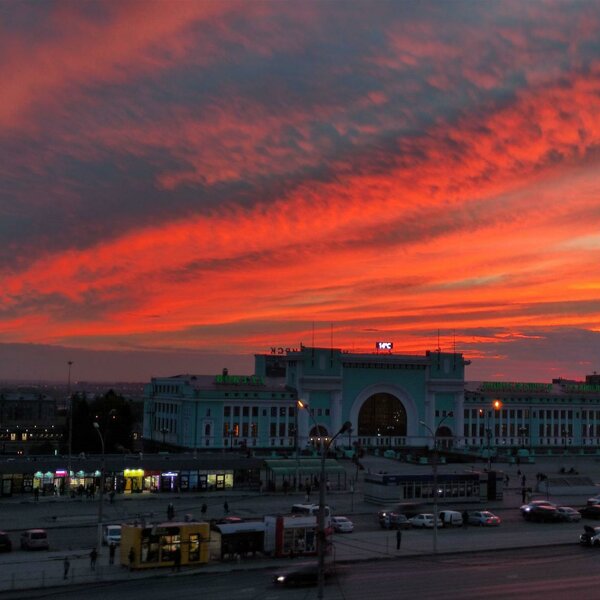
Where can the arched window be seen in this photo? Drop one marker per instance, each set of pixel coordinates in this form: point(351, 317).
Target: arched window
point(382, 414)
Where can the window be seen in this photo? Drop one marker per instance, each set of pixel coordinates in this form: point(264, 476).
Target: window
point(273, 411)
point(208, 412)
point(227, 411)
point(246, 411)
point(273, 429)
point(282, 411)
point(236, 411)
point(255, 411)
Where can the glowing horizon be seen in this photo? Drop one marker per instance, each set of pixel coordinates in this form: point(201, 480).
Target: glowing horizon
point(225, 177)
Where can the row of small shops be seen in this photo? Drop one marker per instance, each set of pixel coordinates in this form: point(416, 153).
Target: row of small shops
point(133, 474)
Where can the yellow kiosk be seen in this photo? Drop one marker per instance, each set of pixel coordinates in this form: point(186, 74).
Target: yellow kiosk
point(158, 545)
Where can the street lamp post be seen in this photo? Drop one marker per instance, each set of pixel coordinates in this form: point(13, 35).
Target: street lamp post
point(70, 403)
point(101, 498)
point(321, 537)
point(435, 477)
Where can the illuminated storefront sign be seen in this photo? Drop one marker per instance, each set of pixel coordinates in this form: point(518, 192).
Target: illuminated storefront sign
point(282, 350)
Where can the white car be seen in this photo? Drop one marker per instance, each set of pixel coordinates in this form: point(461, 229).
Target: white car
point(425, 520)
point(342, 524)
point(568, 514)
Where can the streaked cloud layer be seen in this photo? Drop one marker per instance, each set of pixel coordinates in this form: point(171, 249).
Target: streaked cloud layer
point(220, 177)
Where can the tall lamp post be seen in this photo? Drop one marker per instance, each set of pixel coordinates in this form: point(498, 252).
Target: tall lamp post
point(70, 401)
point(325, 445)
point(435, 477)
point(101, 499)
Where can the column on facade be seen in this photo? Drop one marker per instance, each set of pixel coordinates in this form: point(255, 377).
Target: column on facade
point(335, 419)
point(430, 414)
point(459, 418)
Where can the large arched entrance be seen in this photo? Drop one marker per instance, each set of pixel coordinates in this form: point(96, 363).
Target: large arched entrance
point(318, 434)
point(382, 414)
point(444, 437)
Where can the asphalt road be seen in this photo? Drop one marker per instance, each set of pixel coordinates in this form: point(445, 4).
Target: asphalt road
point(547, 573)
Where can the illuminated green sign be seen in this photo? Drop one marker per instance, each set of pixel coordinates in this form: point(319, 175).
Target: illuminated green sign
point(239, 380)
point(511, 386)
point(583, 388)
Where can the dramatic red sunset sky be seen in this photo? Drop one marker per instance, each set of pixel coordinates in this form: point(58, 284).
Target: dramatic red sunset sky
point(185, 184)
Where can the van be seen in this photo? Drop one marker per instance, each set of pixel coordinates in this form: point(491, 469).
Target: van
point(451, 518)
point(111, 535)
point(34, 539)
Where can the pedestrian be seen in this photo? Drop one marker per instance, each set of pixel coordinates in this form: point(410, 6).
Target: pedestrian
point(523, 494)
point(465, 518)
point(36, 494)
point(203, 509)
point(226, 507)
point(93, 559)
point(170, 511)
point(131, 557)
point(523, 480)
point(66, 567)
point(286, 486)
point(398, 539)
point(111, 553)
point(177, 559)
point(112, 496)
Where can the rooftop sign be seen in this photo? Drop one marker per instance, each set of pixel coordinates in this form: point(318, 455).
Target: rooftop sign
point(389, 346)
point(511, 386)
point(239, 380)
point(583, 388)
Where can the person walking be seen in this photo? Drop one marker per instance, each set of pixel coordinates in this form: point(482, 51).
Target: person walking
point(93, 559)
point(111, 553)
point(131, 557)
point(398, 539)
point(465, 518)
point(170, 511)
point(66, 567)
point(226, 507)
point(203, 510)
point(177, 559)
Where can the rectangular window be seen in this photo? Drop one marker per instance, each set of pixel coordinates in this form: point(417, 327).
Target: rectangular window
point(273, 429)
point(244, 429)
point(253, 430)
point(281, 429)
point(236, 411)
point(227, 411)
point(282, 411)
point(255, 411)
point(246, 411)
point(273, 411)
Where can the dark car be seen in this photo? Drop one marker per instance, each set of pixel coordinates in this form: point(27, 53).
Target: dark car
point(5, 543)
point(590, 536)
point(302, 575)
point(541, 513)
point(388, 519)
point(590, 512)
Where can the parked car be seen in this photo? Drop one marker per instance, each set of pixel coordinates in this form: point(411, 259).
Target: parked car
point(542, 513)
point(388, 519)
point(569, 514)
point(590, 536)
point(111, 534)
point(425, 520)
point(5, 543)
point(527, 507)
point(593, 500)
point(342, 524)
point(484, 518)
point(451, 518)
point(590, 512)
point(301, 575)
point(34, 539)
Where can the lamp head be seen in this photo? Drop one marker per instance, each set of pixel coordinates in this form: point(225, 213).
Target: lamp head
point(301, 404)
point(346, 427)
point(96, 425)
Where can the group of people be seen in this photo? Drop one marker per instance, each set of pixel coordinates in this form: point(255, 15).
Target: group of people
point(112, 550)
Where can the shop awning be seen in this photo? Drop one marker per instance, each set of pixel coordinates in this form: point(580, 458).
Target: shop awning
point(289, 467)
